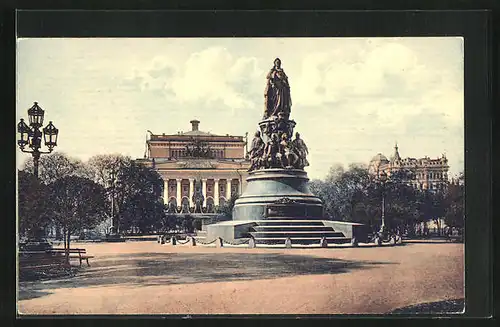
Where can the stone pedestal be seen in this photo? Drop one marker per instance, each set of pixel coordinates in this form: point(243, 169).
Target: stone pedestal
point(277, 193)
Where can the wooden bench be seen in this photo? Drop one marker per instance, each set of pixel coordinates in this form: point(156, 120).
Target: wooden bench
point(80, 254)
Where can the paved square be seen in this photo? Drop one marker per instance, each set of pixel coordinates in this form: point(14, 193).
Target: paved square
point(149, 278)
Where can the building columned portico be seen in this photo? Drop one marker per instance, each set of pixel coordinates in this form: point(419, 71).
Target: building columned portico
point(215, 190)
point(201, 171)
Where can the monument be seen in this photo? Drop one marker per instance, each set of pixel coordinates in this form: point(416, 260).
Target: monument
point(277, 206)
point(277, 184)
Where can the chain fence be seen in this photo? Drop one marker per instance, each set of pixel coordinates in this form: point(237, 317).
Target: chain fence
point(198, 241)
point(186, 242)
point(288, 243)
point(237, 243)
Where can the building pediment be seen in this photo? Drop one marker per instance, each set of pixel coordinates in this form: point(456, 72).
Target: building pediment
point(232, 165)
point(196, 164)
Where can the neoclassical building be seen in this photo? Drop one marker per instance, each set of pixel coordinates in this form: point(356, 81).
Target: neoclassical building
point(430, 174)
point(201, 171)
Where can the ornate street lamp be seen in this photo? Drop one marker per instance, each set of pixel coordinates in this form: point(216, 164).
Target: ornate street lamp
point(32, 136)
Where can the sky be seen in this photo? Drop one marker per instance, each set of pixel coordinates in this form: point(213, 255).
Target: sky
point(351, 97)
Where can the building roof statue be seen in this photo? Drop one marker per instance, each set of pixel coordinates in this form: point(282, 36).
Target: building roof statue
point(395, 157)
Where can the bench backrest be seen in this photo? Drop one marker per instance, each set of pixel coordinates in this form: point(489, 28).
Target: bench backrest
point(83, 251)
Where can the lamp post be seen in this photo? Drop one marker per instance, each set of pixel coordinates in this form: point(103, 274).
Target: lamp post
point(114, 222)
point(31, 135)
point(383, 181)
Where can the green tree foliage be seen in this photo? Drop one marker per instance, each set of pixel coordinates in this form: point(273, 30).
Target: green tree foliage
point(401, 206)
point(355, 195)
point(106, 170)
point(77, 203)
point(187, 224)
point(56, 165)
point(33, 200)
point(138, 193)
point(105, 167)
point(134, 193)
point(225, 211)
point(454, 208)
point(345, 193)
point(431, 206)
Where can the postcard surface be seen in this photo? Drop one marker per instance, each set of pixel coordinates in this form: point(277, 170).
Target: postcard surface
point(193, 176)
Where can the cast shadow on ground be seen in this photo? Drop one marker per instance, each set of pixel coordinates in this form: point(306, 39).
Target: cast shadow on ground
point(28, 294)
point(151, 269)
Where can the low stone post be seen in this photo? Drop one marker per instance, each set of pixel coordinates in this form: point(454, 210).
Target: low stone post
point(162, 239)
point(323, 243)
point(220, 242)
point(288, 243)
point(251, 243)
point(174, 240)
point(354, 242)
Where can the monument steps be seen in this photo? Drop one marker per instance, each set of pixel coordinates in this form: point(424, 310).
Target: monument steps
point(289, 222)
point(295, 218)
point(317, 228)
point(297, 233)
point(303, 231)
point(301, 240)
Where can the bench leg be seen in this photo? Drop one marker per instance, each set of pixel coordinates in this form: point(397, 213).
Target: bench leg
point(80, 262)
point(88, 264)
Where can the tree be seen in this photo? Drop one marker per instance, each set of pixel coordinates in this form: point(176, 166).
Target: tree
point(225, 211)
point(106, 170)
point(454, 203)
point(327, 192)
point(401, 200)
point(77, 203)
point(104, 167)
point(134, 192)
point(138, 194)
point(170, 222)
point(56, 165)
point(188, 224)
point(33, 197)
point(355, 195)
point(344, 193)
point(431, 206)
